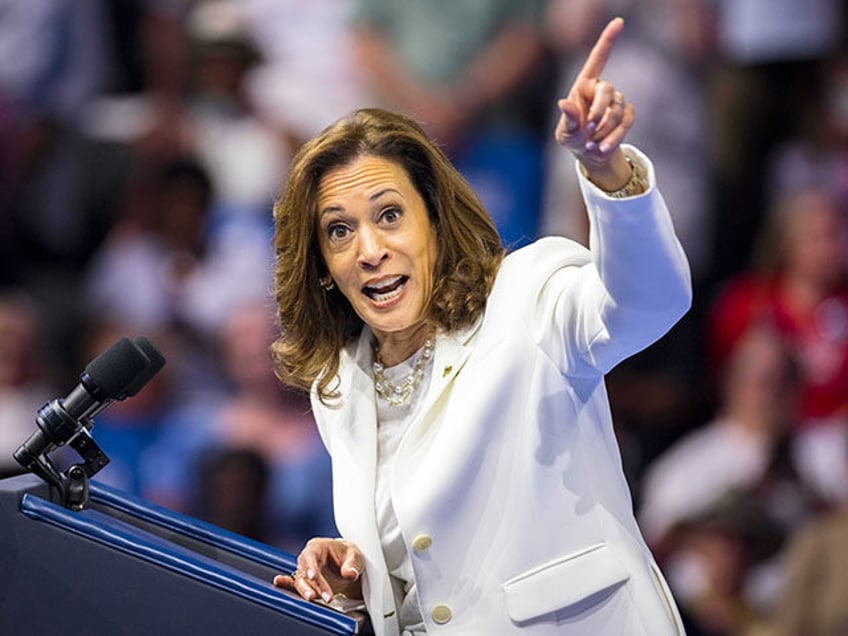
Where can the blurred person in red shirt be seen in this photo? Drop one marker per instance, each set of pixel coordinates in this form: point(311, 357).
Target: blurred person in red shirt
point(800, 285)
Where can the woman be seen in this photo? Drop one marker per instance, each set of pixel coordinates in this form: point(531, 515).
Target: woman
point(477, 482)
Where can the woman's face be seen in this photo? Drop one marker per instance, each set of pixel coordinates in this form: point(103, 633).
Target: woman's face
point(816, 239)
point(378, 242)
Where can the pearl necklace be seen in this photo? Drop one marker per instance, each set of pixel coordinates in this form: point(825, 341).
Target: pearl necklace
point(397, 394)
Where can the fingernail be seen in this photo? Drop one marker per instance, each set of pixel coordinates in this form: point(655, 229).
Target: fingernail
point(308, 594)
point(591, 126)
point(326, 597)
point(355, 570)
point(591, 145)
point(605, 147)
point(310, 574)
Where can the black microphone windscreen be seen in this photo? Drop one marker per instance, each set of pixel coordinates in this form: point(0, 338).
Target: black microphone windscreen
point(157, 361)
point(113, 370)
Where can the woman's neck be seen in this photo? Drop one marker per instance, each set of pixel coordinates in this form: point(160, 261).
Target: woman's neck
point(394, 347)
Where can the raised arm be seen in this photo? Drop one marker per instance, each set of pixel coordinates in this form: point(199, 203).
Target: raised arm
point(638, 284)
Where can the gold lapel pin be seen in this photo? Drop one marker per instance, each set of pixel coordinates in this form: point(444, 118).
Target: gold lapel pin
point(447, 370)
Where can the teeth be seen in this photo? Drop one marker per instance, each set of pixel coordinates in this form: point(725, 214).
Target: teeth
point(387, 296)
point(385, 289)
point(385, 283)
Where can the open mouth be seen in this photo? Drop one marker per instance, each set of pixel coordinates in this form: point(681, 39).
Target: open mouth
point(385, 289)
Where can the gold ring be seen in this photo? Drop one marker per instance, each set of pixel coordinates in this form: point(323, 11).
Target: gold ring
point(296, 574)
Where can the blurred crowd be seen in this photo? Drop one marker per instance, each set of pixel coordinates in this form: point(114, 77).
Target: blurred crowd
point(143, 142)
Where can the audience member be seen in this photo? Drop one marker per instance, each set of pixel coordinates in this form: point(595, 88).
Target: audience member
point(740, 449)
point(244, 155)
point(233, 493)
point(460, 69)
point(308, 74)
point(818, 155)
point(799, 286)
point(716, 555)
point(813, 599)
point(763, 85)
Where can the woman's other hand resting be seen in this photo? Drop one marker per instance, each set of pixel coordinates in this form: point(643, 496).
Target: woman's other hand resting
point(325, 568)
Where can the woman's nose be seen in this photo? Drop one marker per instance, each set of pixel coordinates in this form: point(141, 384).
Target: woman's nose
point(372, 250)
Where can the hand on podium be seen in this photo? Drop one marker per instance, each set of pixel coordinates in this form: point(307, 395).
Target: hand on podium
point(327, 570)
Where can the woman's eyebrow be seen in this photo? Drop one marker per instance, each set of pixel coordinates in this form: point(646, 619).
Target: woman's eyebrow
point(330, 208)
point(338, 208)
point(377, 195)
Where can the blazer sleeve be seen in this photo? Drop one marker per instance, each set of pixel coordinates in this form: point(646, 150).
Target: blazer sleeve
point(591, 311)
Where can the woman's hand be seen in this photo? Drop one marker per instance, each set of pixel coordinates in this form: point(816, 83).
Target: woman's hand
point(326, 567)
point(596, 117)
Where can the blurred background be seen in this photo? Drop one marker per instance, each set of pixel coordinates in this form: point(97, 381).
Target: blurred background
point(143, 142)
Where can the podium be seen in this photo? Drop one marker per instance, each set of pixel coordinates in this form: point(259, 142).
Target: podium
point(125, 567)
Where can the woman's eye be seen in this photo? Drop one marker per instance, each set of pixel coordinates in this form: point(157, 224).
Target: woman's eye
point(391, 215)
point(337, 232)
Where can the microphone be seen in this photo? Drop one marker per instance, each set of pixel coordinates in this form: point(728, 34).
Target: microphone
point(117, 373)
point(155, 362)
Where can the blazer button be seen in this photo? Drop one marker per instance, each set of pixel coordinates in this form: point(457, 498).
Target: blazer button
point(441, 614)
point(421, 542)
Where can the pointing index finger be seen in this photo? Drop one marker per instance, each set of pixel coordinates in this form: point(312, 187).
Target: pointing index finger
point(600, 53)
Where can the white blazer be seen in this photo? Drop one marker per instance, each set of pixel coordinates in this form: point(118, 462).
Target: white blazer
point(508, 486)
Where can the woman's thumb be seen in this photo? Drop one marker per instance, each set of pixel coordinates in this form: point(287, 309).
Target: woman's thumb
point(569, 123)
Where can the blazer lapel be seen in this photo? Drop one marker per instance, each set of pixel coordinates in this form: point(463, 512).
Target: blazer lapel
point(356, 422)
point(449, 356)
point(356, 416)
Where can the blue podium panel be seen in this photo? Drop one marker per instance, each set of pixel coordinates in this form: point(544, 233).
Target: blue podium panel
point(124, 566)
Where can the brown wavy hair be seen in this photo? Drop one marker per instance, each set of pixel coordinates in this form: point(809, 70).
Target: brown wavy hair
point(315, 324)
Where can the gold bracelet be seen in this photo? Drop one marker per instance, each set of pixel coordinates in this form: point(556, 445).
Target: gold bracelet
point(636, 184)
